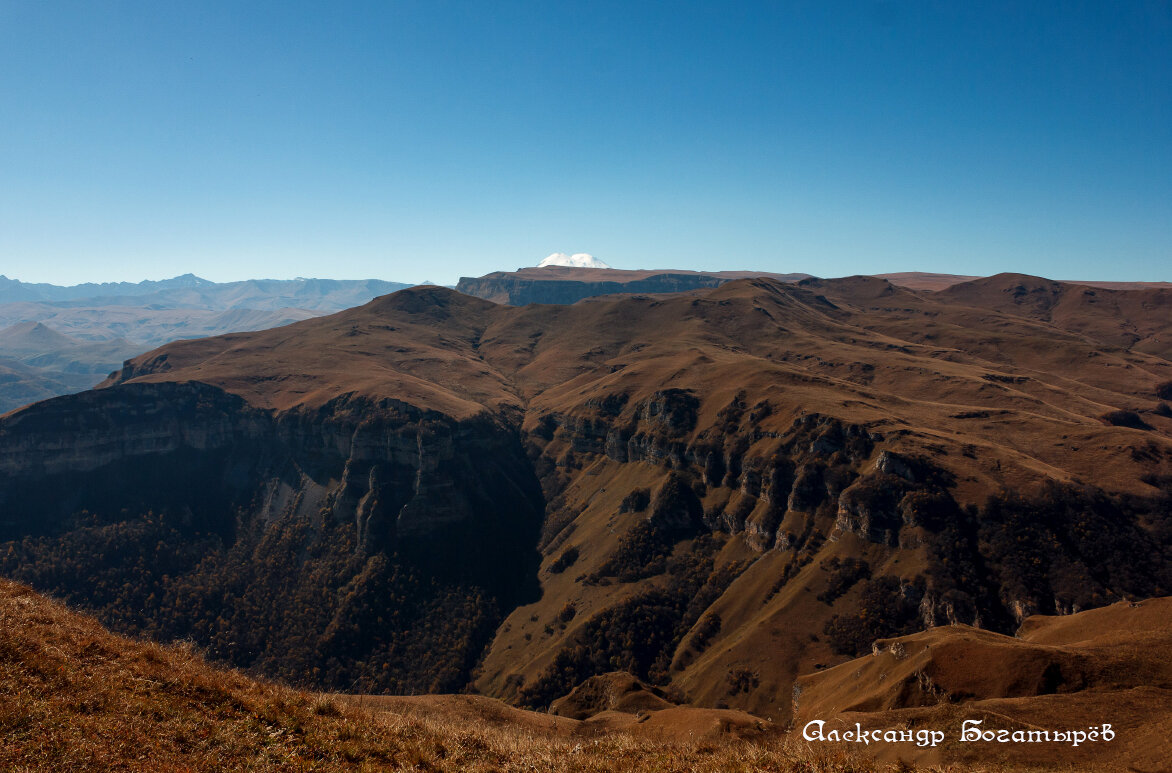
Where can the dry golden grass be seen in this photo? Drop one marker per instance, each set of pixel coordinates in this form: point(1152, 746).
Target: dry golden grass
point(74, 697)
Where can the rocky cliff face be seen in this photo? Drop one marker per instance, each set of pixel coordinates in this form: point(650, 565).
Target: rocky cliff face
point(396, 471)
point(439, 505)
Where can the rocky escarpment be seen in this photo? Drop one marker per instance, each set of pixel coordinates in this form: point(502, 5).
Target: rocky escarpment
point(187, 446)
point(397, 472)
point(411, 510)
point(860, 530)
point(750, 478)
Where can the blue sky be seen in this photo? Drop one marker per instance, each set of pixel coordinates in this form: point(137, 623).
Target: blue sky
point(429, 140)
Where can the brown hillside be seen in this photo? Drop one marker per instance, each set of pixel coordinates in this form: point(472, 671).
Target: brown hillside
point(417, 346)
point(76, 697)
point(920, 280)
point(1112, 664)
point(1135, 319)
point(715, 491)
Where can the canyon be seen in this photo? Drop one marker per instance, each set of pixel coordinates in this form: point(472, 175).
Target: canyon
point(716, 490)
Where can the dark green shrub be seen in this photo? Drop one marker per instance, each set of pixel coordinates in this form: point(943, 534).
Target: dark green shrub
point(564, 561)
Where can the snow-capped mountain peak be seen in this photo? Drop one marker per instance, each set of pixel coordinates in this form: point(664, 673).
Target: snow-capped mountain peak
point(577, 260)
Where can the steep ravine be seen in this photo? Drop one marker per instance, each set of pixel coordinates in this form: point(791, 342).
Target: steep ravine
point(721, 561)
point(220, 506)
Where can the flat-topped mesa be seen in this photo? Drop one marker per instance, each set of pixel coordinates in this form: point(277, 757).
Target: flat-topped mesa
point(570, 284)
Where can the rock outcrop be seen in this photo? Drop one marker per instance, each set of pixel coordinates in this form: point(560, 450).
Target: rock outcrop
point(617, 691)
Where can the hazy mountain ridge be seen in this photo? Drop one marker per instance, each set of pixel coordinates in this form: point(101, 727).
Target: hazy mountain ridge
point(145, 327)
point(37, 362)
point(190, 291)
point(14, 290)
point(98, 326)
point(38, 345)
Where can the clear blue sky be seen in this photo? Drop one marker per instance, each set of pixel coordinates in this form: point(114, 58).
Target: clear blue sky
point(429, 140)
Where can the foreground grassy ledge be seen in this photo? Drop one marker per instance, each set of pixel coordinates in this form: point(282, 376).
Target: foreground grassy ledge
point(75, 697)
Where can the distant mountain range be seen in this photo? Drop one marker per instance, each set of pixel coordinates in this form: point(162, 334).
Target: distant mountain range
point(12, 290)
point(37, 362)
point(55, 340)
point(190, 291)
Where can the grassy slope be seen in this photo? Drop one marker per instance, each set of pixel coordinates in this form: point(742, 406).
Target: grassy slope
point(75, 697)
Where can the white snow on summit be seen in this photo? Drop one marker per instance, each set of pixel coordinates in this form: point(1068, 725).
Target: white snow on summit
point(577, 260)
